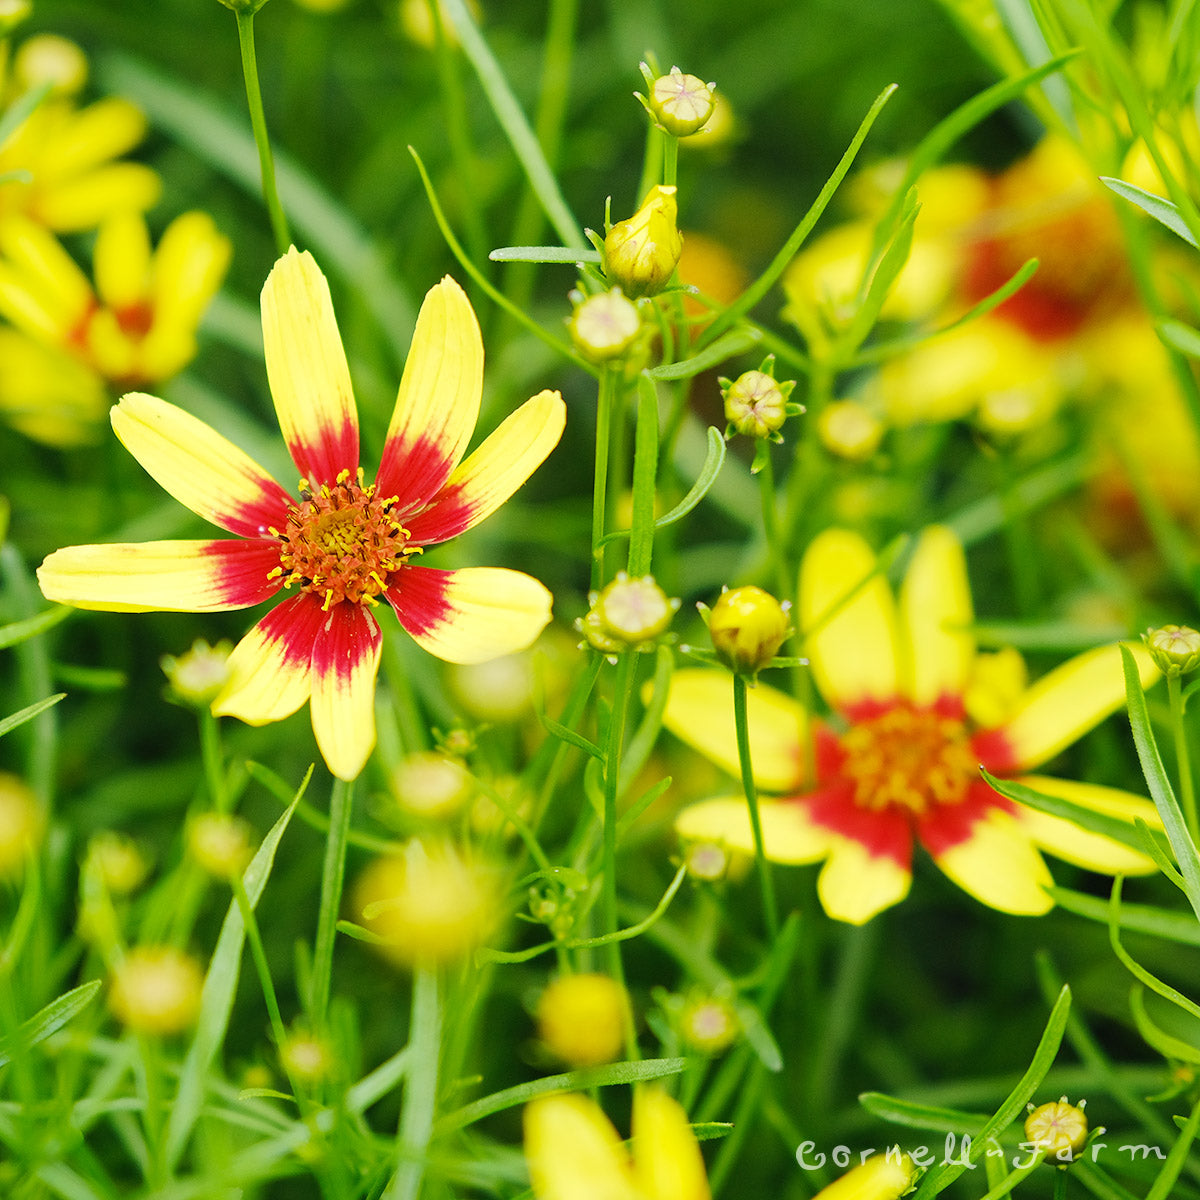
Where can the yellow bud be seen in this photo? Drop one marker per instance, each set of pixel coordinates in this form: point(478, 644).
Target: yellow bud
point(1058, 1128)
point(1175, 649)
point(305, 1057)
point(12, 13)
point(747, 627)
point(641, 253)
point(756, 405)
point(219, 843)
point(681, 104)
point(429, 784)
point(581, 1019)
point(850, 430)
point(196, 676)
point(116, 862)
point(708, 1023)
point(156, 990)
point(881, 1177)
point(628, 612)
point(706, 860)
point(50, 59)
point(605, 327)
point(427, 903)
point(21, 823)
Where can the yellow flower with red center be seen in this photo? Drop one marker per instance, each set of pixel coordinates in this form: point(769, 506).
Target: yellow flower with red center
point(898, 761)
point(343, 544)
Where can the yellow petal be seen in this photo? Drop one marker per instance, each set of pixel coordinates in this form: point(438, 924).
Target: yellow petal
point(881, 1177)
point(1066, 840)
point(210, 576)
point(935, 611)
point(82, 203)
point(199, 467)
point(121, 260)
point(438, 401)
point(471, 615)
point(853, 652)
point(94, 134)
point(307, 371)
point(667, 1162)
point(1065, 704)
point(855, 885)
point(345, 661)
point(574, 1152)
point(492, 473)
point(47, 394)
point(999, 865)
point(49, 274)
point(700, 712)
point(788, 835)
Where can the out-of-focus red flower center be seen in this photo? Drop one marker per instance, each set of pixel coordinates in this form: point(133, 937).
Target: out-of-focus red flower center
point(908, 758)
point(342, 543)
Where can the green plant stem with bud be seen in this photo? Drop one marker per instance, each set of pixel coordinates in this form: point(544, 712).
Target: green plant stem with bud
point(1187, 787)
point(742, 727)
point(258, 121)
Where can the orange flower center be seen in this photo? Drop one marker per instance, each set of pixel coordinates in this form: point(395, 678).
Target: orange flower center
point(908, 758)
point(342, 543)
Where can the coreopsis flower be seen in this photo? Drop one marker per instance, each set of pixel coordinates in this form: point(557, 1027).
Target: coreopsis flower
point(898, 760)
point(881, 1177)
point(574, 1153)
point(70, 177)
point(342, 545)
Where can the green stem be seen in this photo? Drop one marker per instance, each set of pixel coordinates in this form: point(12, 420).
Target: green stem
point(1187, 789)
point(742, 724)
point(1018, 541)
point(770, 520)
point(420, 1096)
point(645, 470)
point(258, 120)
point(670, 159)
point(254, 937)
point(214, 761)
point(333, 875)
point(153, 1116)
point(604, 422)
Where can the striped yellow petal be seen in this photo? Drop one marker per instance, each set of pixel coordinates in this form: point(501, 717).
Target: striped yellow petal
point(1066, 840)
point(667, 1162)
point(307, 371)
point(345, 661)
point(574, 1153)
point(788, 835)
point(700, 712)
point(855, 885)
point(935, 610)
point(853, 618)
point(470, 615)
point(202, 576)
point(438, 401)
point(201, 469)
point(1065, 704)
point(999, 865)
point(492, 473)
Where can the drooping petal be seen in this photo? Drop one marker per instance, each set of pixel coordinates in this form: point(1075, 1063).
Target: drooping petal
point(1066, 840)
point(200, 468)
point(935, 611)
point(345, 661)
point(573, 1151)
point(788, 835)
point(307, 371)
point(1063, 706)
point(699, 711)
point(855, 885)
point(999, 865)
point(438, 401)
point(471, 615)
point(492, 473)
point(270, 674)
point(200, 576)
point(667, 1162)
point(854, 651)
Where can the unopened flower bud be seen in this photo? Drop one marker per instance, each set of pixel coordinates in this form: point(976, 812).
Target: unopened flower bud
point(50, 59)
point(196, 676)
point(116, 863)
point(12, 13)
point(706, 860)
point(219, 843)
point(641, 253)
point(628, 613)
point(680, 104)
point(708, 1023)
point(156, 990)
point(429, 784)
point(1058, 1128)
point(1175, 649)
point(305, 1057)
point(605, 327)
point(747, 626)
point(21, 823)
point(850, 430)
point(581, 1019)
point(247, 7)
point(756, 405)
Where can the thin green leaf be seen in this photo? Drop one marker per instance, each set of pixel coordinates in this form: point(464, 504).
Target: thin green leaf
point(632, 931)
point(29, 712)
point(49, 1020)
point(20, 631)
point(545, 254)
point(1158, 783)
point(921, 1116)
point(1166, 1044)
point(736, 342)
point(220, 984)
point(570, 1081)
point(1177, 1157)
point(1179, 336)
point(1158, 922)
point(570, 737)
point(1161, 209)
point(487, 955)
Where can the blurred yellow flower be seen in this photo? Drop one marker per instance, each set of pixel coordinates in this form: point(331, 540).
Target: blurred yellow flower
point(156, 990)
point(21, 823)
point(581, 1019)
